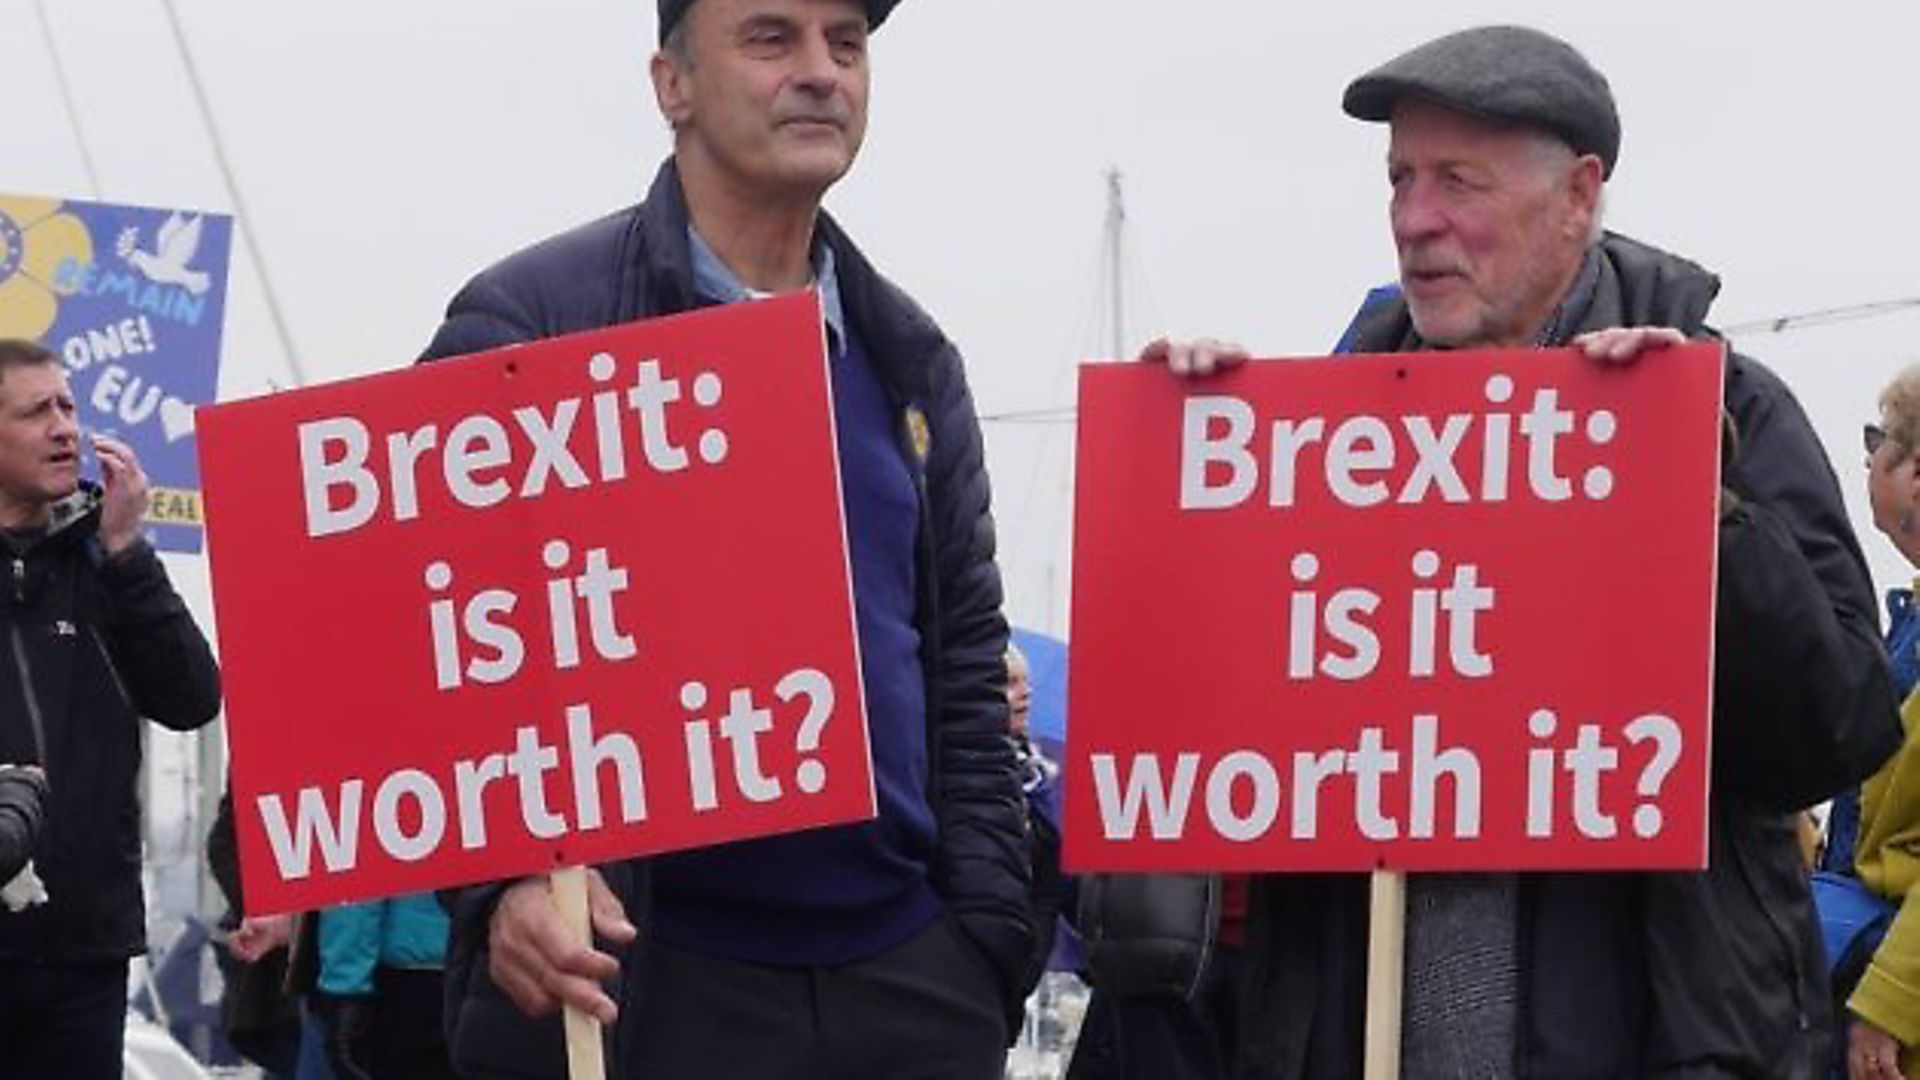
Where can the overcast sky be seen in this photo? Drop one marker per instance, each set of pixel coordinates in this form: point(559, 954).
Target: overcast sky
point(387, 149)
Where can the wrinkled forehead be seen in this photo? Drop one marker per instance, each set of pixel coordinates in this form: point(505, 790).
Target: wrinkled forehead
point(25, 379)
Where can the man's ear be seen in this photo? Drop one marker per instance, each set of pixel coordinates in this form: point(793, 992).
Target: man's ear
point(1584, 185)
point(671, 88)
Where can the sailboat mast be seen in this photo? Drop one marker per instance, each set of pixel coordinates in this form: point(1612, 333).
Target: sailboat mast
point(1116, 235)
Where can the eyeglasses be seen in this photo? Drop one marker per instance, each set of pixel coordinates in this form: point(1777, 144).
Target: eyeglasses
point(1872, 436)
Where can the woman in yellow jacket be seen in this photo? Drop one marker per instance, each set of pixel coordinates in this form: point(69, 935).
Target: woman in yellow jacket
point(1885, 1005)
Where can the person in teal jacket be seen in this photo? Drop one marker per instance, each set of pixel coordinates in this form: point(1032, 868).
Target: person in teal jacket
point(378, 992)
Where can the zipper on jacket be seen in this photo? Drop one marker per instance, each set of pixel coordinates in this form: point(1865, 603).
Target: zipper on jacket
point(27, 691)
point(1214, 900)
point(113, 669)
point(926, 588)
point(1743, 859)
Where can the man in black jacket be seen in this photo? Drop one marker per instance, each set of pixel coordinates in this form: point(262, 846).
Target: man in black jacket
point(96, 639)
point(1502, 139)
point(890, 948)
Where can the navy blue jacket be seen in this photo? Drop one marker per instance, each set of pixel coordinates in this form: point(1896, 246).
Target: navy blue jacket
point(634, 264)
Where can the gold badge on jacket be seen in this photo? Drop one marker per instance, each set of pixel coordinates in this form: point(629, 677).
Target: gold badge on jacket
point(920, 434)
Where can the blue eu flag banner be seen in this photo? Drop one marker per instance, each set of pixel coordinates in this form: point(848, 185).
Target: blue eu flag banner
point(132, 298)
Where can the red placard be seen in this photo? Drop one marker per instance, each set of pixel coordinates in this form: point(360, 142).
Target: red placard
point(1426, 612)
point(555, 604)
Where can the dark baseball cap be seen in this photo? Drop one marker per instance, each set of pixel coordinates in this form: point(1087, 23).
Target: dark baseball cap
point(1508, 73)
point(672, 10)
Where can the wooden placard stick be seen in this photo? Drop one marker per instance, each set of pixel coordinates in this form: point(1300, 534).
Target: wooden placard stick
point(586, 1059)
point(1386, 971)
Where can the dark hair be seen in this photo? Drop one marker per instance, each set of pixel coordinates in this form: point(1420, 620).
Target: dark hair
point(18, 352)
point(676, 44)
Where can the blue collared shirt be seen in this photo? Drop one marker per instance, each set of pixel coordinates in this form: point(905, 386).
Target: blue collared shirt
point(713, 280)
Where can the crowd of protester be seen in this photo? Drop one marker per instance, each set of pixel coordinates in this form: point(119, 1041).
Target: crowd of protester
point(906, 946)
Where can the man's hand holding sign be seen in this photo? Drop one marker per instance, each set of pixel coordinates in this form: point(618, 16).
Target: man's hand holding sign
point(492, 657)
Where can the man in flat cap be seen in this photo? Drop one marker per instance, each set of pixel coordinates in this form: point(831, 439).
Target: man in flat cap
point(1501, 142)
point(892, 948)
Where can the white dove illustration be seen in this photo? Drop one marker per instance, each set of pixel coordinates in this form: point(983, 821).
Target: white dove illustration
point(178, 242)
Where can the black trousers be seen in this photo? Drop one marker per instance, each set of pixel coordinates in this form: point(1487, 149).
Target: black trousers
point(63, 1020)
point(407, 1040)
point(928, 1009)
point(1164, 1036)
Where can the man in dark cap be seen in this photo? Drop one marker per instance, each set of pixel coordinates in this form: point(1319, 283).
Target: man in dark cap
point(1501, 141)
point(891, 948)
point(672, 11)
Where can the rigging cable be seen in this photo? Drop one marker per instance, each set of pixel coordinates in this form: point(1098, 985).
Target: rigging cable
point(247, 231)
point(1778, 324)
point(1824, 317)
point(66, 99)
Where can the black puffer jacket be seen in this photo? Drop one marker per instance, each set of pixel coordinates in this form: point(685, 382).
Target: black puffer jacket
point(1148, 934)
point(1715, 973)
point(635, 264)
point(92, 645)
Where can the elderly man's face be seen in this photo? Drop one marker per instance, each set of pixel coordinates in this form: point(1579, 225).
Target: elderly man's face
point(773, 97)
point(1490, 222)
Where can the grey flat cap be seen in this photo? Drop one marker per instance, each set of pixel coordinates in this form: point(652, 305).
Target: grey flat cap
point(672, 10)
point(1510, 73)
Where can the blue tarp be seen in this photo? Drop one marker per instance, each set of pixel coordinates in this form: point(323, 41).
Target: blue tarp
point(1047, 663)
